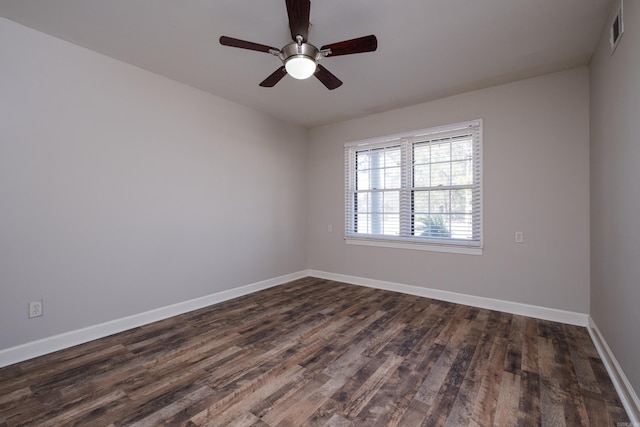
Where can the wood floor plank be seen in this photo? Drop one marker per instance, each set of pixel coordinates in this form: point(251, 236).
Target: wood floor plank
point(306, 400)
point(226, 410)
point(508, 399)
point(481, 336)
point(174, 407)
point(608, 394)
point(440, 408)
point(529, 400)
point(415, 414)
point(485, 402)
point(316, 352)
point(551, 401)
point(363, 394)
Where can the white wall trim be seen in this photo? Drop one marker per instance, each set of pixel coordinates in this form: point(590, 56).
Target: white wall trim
point(569, 317)
point(465, 250)
point(625, 390)
point(69, 339)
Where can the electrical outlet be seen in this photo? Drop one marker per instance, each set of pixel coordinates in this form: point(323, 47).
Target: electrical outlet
point(519, 237)
point(35, 309)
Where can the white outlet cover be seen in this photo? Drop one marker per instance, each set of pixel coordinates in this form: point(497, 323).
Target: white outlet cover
point(35, 309)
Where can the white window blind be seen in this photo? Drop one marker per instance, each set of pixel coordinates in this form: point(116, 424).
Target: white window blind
point(422, 187)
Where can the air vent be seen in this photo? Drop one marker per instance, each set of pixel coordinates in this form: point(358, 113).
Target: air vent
point(617, 28)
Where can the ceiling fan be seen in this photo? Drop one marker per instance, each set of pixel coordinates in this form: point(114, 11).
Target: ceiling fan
point(301, 59)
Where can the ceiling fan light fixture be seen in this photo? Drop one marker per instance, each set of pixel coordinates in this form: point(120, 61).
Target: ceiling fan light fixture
point(301, 59)
point(300, 67)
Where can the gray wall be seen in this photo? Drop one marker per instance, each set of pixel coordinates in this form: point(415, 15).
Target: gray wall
point(122, 191)
point(536, 166)
point(615, 197)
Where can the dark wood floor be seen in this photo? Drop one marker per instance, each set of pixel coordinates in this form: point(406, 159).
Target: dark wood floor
point(321, 353)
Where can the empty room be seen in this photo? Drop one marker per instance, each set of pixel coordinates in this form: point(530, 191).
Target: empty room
point(319, 213)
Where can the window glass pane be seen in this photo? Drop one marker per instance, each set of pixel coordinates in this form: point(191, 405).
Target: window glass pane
point(441, 152)
point(391, 224)
point(363, 223)
point(436, 226)
point(392, 178)
point(462, 172)
point(376, 202)
point(362, 160)
point(363, 202)
point(440, 174)
point(421, 154)
point(420, 201)
point(392, 157)
point(421, 175)
point(462, 149)
point(377, 157)
point(362, 182)
point(376, 177)
point(377, 223)
point(391, 202)
point(420, 222)
point(461, 226)
point(461, 201)
point(439, 201)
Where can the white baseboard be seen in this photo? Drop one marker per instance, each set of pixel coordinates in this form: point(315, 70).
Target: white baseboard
point(69, 339)
point(569, 317)
point(625, 390)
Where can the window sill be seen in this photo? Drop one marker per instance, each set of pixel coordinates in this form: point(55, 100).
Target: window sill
point(465, 250)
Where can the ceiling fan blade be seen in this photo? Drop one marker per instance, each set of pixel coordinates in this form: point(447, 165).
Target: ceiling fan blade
point(274, 78)
point(298, 12)
point(348, 47)
point(327, 78)
point(243, 44)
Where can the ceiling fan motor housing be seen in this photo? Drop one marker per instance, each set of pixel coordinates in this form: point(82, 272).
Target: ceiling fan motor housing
point(300, 59)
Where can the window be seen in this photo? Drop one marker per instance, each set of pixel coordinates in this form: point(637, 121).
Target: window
point(419, 190)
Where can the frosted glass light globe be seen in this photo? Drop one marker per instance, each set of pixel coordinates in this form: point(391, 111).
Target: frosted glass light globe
point(300, 67)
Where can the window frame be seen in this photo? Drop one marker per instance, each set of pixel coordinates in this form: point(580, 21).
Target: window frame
point(407, 142)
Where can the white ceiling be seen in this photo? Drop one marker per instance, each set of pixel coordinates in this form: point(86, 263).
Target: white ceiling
point(427, 49)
